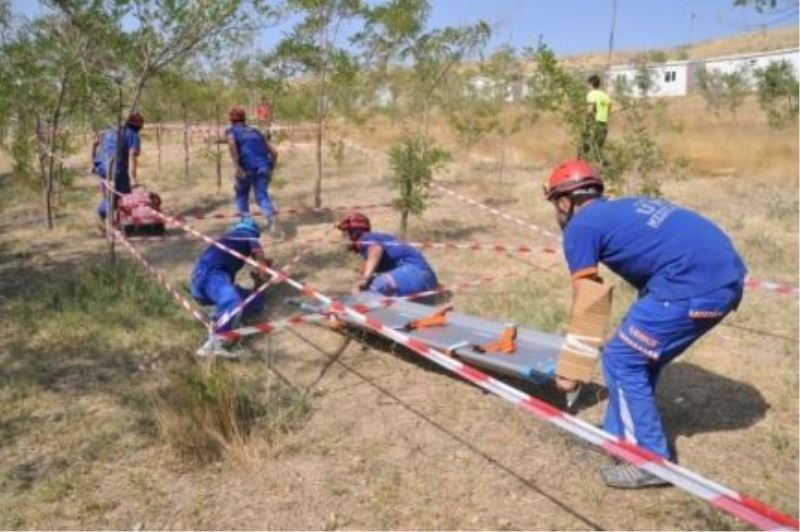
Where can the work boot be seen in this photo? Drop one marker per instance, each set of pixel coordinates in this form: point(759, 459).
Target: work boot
point(216, 347)
point(627, 476)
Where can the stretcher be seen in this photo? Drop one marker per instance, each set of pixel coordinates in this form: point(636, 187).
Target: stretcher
point(503, 348)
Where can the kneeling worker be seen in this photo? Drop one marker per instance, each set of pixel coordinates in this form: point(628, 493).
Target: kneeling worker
point(214, 282)
point(689, 277)
point(392, 268)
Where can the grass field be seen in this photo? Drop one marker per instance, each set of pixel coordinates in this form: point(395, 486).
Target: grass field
point(107, 422)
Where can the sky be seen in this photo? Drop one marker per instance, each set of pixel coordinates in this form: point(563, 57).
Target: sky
point(577, 26)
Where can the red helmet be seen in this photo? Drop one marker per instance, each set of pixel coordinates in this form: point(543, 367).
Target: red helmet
point(136, 120)
point(237, 114)
point(354, 221)
point(570, 176)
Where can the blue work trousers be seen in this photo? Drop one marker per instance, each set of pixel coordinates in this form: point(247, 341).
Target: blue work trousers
point(404, 280)
point(216, 287)
point(259, 182)
point(653, 333)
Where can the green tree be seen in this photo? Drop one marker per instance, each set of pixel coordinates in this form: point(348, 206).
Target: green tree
point(418, 67)
point(413, 162)
point(629, 162)
point(644, 78)
point(416, 63)
point(722, 90)
point(313, 48)
point(45, 81)
point(478, 114)
point(555, 90)
point(778, 93)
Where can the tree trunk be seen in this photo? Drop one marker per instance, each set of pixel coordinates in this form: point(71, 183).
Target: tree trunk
point(219, 153)
point(185, 142)
point(62, 184)
point(404, 224)
point(502, 163)
point(43, 158)
point(320, 119)
point(426, 117)
point(158, 146)
point(318, 185)
point(48, 189)
point(325, 45)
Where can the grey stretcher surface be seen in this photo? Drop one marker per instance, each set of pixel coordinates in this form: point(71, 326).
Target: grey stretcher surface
point(535, 357)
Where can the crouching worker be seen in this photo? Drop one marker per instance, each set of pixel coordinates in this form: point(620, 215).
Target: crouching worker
point(392, 268)
point(214, 283)
point(688, 275)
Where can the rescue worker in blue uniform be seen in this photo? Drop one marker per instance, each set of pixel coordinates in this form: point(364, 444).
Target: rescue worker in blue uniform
point(689, 277)
point(391, 268)
point(214, 282)
point(254, 159)
point(104, 150)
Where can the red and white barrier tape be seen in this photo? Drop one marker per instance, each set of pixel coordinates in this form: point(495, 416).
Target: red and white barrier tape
point(781, 288)
point(745, 508)
point(199, 215)
point(271, 326)
point(162, 279)
point(437, 246)
point(228, 316)
point(497, 212)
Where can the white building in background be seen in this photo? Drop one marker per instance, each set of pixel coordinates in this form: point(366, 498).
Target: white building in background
point(747, 63)
point(671, 78)
point(677, 78)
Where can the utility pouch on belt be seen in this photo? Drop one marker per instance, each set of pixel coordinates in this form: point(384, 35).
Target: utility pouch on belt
point(587, 329)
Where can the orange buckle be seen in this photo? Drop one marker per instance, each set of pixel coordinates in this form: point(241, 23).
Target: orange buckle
point(505, 344)
point(436, 319)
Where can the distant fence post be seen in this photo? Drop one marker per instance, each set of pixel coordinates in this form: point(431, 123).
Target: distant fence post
point(219, 152)
point(185, 141)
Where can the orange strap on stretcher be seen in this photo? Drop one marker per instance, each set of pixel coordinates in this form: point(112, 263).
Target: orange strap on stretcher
point(507, 343)
point(436, 319)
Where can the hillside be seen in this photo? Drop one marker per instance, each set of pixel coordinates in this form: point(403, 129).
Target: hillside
point(755, 41)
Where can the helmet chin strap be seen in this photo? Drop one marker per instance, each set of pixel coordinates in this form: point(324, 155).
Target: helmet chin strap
point(355, 236)
point(570, 213)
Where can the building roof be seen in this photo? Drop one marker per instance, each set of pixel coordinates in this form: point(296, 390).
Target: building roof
point(751, 55)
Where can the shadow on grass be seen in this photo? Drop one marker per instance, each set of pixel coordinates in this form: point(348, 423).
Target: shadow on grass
point(694, 401)
point(83, 330)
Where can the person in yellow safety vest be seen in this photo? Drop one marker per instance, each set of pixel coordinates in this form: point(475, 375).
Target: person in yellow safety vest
point(598, 108)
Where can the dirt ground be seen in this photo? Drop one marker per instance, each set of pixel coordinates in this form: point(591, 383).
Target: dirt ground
point(390, 442)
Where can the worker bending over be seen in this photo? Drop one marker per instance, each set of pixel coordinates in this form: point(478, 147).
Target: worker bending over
point(214, 283)
point(104, 151)
point(392, 268)
point(689, 277)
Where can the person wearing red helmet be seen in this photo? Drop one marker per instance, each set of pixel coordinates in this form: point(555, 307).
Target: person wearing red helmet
point(392, 268)
point(689, 277)
point(104, 150)
point(254, 159)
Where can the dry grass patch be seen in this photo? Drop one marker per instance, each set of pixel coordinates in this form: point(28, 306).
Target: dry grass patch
point(205, 413)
